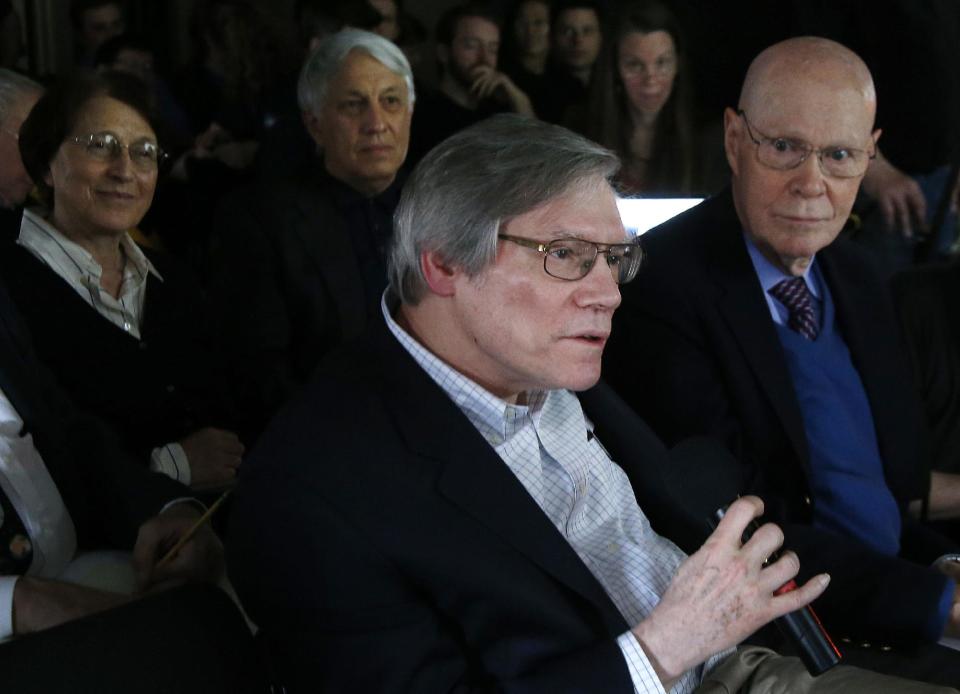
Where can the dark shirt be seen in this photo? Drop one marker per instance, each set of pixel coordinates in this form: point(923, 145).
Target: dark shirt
point(371, 223)
point(436, 117)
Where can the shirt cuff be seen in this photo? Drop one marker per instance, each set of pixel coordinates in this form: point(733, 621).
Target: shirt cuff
point(171, 460)
point(7, 584)
point(644, 677)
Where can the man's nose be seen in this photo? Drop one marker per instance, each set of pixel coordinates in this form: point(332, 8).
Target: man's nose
point(374, 120)
point(598, 288)
point(809, 179)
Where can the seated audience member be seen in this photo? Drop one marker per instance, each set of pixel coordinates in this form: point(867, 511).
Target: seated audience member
point(93, 22)
point(525, 51)
point(300, 264)
point(389, 26)
point(133, 54)
point(130, 341)
point(640, 106)
point(18, 94)
point(753, 325)
point(449, 519)
point(471, 87)
point(234, 93)
point(577, 38)
point(926, 301)
point(67, 493)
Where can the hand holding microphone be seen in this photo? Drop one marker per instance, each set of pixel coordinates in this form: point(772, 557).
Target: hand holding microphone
point(723, 593)
point(814, 645)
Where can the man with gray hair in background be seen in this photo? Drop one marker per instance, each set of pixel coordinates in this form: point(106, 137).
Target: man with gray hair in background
point(442, 515)
point(18, 94)
point(299, 265)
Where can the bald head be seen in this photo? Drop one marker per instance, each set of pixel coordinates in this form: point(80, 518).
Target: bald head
point(798, 147)
point(820, 62)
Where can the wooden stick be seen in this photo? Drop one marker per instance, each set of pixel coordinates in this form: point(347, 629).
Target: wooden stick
point(186, 537)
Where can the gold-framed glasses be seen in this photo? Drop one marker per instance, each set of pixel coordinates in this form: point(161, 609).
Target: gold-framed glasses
point(571, 259)
point(783, 153)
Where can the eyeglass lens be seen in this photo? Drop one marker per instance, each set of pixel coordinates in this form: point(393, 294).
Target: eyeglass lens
point(144, 154)
point(571, 259)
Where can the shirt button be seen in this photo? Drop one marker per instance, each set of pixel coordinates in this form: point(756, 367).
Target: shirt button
point(807, 501)
point(170, 388)
point(126, 326)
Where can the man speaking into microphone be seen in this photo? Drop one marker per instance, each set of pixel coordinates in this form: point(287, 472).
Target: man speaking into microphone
point(439, 512)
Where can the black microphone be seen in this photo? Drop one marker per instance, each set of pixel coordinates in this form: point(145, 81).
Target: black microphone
point(703, 478)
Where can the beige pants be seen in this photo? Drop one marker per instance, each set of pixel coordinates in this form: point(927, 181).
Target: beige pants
point(753, 670)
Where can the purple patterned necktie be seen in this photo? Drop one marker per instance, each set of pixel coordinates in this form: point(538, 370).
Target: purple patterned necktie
point(793, 294)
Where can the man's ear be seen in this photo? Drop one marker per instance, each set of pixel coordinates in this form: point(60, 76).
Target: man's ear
point(732, 134)
point(440, 276)
point(312, 123)
point(876, 136)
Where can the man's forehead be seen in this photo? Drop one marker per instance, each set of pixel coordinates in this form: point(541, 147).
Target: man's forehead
point(577, 16)
point(359, 69)
point(474, 26)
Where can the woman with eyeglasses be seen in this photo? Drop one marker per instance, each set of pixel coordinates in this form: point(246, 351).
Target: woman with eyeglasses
point(640, 106)
point(123, 329)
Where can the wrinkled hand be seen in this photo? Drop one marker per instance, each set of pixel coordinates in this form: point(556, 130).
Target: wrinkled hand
point(487, 82)
point(39, 604)
point(214, 455)
point(722, 594)
point(199, 560)
point(899, 196)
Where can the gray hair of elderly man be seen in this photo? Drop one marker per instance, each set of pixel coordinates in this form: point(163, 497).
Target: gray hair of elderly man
point(13, 87)
point(324, 62)
point(469, 185)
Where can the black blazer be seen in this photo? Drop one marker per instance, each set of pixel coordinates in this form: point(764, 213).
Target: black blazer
point(695, 352)
point(154, 390)
point(107, 493)
point(286, 283)
point(382, 545)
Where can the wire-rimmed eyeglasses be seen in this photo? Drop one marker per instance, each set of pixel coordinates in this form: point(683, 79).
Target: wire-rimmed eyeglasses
point(784, 153)
point(145, 155)
point(571, 259)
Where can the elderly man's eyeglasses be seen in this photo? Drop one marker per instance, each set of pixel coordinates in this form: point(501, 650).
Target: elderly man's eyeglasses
point(144, 154)
point(572, 259)
point(784, 153)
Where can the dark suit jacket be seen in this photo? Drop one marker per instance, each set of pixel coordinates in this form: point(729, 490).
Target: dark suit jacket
point(695, 352)
point(926, 300)
point(152, 391)
point(107, 493)
point(287, 285)
point(382, 545)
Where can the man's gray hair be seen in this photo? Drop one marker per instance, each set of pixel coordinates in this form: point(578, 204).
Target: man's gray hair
point(324, 62)
point(464, 189)
point(13, 87)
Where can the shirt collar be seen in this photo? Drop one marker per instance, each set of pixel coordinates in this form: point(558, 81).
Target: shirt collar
point(770, 275)
point(493, 416)
point(43, 239)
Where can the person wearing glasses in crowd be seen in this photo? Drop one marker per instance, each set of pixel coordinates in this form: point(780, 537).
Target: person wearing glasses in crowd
point(125, 333)
point(755, 325)
point(443, 514)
